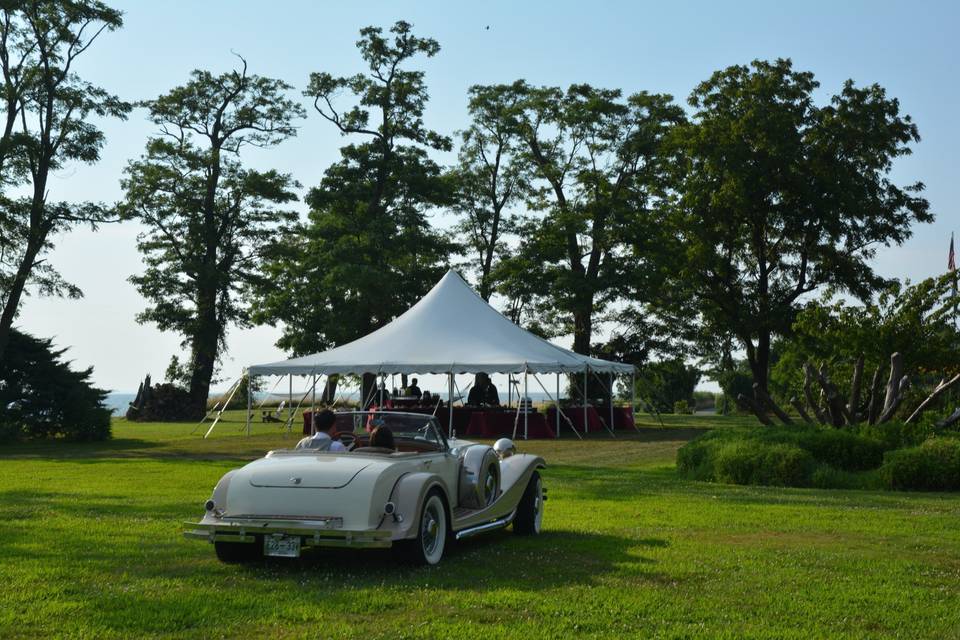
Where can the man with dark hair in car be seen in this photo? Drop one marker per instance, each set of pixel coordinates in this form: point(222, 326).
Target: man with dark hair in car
point(322, 439)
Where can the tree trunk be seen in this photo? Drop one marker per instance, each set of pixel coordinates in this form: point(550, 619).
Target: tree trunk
point(758, 357)
point(835, 406)
point(747, 403)
point(329, 394)
point(893, 382)
point(795, 401)
point(873, 409)
point(808, 375)
point(764, 400)
point(12, 303)
point(853, 406)
point(949, 420)
point(205, 345)
point(899, 393)
point(583, 327)
point(941, 388)
point(368, 383)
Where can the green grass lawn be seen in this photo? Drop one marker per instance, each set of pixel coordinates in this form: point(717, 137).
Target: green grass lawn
point(91, 546)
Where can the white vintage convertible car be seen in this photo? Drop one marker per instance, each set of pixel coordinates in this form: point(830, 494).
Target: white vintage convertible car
point(417, 498)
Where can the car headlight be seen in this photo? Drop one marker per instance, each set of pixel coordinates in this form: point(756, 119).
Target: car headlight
point(504, 448)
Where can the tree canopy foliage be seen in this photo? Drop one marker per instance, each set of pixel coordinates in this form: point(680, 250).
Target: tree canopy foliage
point(209, 221)
point(367, 251)
point(46, 124)
point(777, 196)
point(42, 397)
point(593, 167)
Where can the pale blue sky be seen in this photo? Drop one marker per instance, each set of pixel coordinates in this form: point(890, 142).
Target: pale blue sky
point(908, 47)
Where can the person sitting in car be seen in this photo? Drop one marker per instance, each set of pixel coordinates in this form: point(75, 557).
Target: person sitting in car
point(322, 439)
point(382, 438)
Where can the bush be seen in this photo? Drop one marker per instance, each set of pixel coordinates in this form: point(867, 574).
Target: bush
point(897, 435)
point(682, 407)
point(785, 456)
point(932, 466)
point(754, 462)
point(842, 449)
point(42, 397)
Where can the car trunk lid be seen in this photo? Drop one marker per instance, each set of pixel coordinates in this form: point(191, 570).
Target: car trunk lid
point(308, 472)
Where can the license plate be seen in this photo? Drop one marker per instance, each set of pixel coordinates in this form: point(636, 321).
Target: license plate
point(281, 546)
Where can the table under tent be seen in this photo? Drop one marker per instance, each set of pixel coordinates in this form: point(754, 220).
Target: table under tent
point(453, 331)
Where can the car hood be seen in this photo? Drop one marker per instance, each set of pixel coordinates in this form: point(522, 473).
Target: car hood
point(306, 471)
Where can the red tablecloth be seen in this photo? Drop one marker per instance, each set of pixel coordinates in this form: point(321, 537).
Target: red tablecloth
point(575, 414)
point(499, 424)
point(623, 418)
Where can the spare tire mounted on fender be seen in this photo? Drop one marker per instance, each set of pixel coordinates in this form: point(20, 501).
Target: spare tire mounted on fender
point(479, 477)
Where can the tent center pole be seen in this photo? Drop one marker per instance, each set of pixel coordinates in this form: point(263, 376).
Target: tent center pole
point(290, 404)
point(249, 396)
point(633, 399)
point(313, 406)
point(526, 408)
point(450, 405)
point(586, 427)
point(558, 405)
point(611, 399)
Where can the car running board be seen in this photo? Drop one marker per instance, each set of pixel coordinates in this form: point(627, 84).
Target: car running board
point(500, 523)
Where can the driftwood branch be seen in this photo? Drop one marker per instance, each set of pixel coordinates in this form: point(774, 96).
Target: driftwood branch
point(893, 382)
point(764, 400)
point(749, 404)
point(899, 393)
point(873, 409)
point(838, 411)
point(949, 420)
point(853, 406)
point(941, 388)
point(808, 376)
point(795, 401)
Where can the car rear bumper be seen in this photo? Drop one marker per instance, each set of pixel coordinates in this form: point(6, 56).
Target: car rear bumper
point(311, 533)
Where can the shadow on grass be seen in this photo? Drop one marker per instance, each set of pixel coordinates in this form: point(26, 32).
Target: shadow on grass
point(499, 560)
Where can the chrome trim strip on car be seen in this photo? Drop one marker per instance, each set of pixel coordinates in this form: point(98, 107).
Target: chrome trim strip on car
point(500, 523)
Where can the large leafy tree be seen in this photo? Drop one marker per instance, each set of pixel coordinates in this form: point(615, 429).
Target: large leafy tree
point(368, 250)
point(209, 221)
point(489, 179)
point(45, 126)
point(779, 196)
point(596, 166)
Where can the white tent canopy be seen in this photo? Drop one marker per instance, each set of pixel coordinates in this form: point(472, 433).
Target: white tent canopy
point(450, 330)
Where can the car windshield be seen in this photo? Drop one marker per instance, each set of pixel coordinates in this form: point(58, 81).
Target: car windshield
point(405, 426)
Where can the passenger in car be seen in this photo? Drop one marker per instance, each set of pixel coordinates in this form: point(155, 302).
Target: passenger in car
point(382, 437)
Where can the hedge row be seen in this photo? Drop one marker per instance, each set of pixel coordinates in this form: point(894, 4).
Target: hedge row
point(823, 457)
